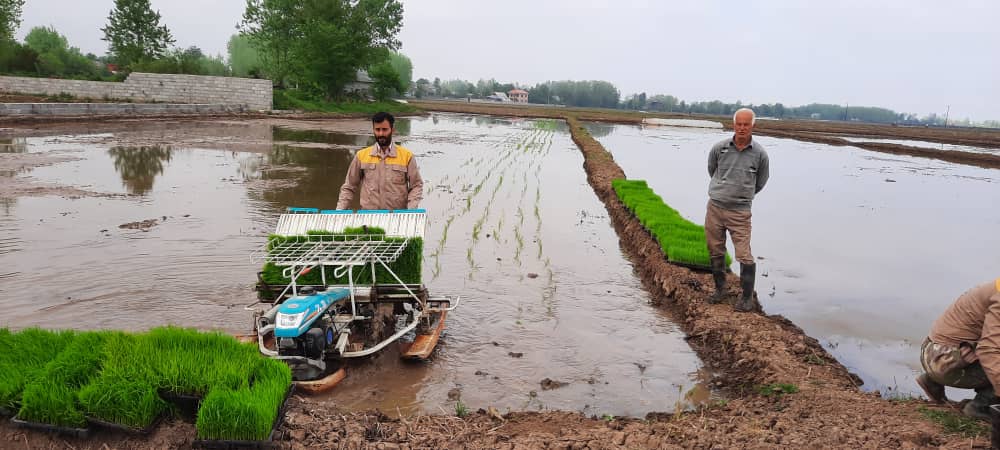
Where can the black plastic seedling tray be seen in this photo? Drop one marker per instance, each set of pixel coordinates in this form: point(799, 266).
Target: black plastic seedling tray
point(125, 428)
point(65, 431)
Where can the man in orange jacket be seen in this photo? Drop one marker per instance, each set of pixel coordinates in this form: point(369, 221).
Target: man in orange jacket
point(387, 173)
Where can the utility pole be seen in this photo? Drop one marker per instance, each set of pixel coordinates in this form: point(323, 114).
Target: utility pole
point(948, 111)
point(847, 107)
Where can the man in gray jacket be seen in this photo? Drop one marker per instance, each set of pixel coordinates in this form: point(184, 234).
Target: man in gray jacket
point(739, 170)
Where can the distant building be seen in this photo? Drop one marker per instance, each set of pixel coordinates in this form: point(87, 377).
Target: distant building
point(361, 86)
point(815, 116)
point(498, 97)
point(518, 96)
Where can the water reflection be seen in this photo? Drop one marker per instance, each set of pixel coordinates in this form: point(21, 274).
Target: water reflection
point(7, 204)
point(139, 165)
point(314, 175)
point(599, 130)
point(320, 137)
point(14, 145)
point(280, 134)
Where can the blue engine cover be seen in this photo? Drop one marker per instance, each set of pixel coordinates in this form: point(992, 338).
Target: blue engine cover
point(298, 313)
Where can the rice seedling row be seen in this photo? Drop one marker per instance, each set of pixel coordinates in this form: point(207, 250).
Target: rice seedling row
point(682, 241)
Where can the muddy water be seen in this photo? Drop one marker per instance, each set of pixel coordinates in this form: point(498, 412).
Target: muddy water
point(513, 228)
point(863, 250)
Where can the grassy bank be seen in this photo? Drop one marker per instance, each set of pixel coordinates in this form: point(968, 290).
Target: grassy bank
point(297, 100)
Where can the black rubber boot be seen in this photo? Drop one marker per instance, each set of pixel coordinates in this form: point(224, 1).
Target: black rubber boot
point(719, 274)
point(748, 274)
point(979, 406)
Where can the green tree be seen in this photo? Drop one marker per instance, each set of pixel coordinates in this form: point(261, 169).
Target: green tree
point(16, 58)
point(244, 60)
point(190, 61)
point(10, 18)
point(323, 42)
point(55, 56)
point(274, 27)
point(387, 81)
point(46, 40)
point(134, 32)
point(423, 87)
point(404, 67)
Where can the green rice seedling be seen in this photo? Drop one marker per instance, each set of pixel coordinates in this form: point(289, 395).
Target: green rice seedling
point(681, 240)
point(477, 227)
point(51, 403)
point(248, 413)
point(192, 362)
point(23, 356)
point(51, 399)
point(129, 402)
point(520, 244)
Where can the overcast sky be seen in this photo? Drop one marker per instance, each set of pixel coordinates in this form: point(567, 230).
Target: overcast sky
point(917, 56)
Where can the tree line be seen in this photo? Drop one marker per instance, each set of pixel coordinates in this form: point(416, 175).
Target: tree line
point(315, 46)
point(603, 94)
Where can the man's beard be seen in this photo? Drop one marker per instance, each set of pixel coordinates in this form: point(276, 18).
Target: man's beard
point(383, 141)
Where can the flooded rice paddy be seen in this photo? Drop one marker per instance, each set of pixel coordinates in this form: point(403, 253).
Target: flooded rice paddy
point(150, 225)
point(863, 250)
point(924, 144)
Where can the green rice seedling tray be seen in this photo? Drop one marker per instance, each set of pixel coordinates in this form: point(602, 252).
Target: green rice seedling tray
point(220, 444)
point(64, 431)
point(125, 428)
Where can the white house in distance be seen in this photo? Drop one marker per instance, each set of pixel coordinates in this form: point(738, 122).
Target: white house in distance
point(518, 95)
point(362, 84)
point(498, 97)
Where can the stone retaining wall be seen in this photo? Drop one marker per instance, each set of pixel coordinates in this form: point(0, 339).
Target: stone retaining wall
point(115, 109)
point(254, 94)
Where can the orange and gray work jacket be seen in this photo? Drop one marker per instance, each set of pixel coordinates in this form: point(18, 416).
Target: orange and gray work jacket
point(972, 325)
point(389, 179)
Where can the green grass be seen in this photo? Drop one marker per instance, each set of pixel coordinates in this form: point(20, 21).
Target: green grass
point(955, 422)
point(681, 240)
point(62, 378)
point(460, 409)
point(777, 389)
point(292, 99)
